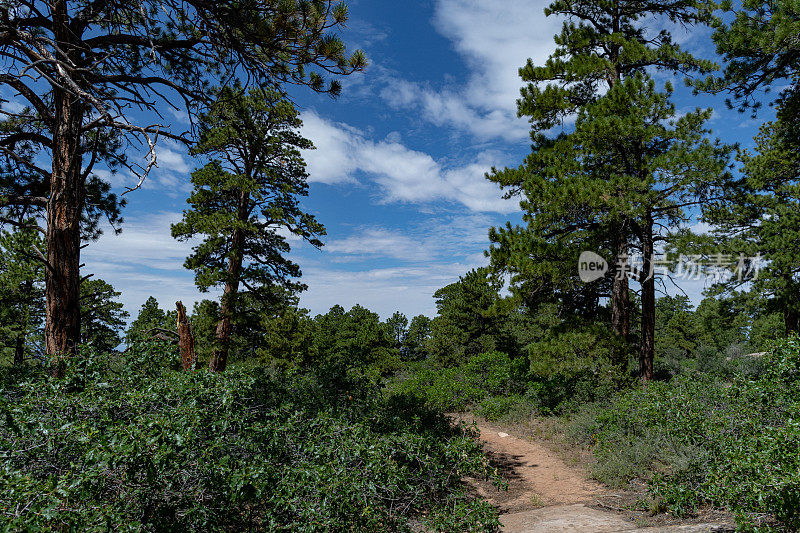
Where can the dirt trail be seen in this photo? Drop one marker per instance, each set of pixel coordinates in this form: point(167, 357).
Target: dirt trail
point(546, 495)
point(536, 476)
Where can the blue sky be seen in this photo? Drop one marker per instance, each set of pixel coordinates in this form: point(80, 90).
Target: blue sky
point(398, 173)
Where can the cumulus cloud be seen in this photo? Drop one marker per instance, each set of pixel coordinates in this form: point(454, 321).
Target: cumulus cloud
point(434, 239)
point(379, 242)
point(170, 155)
point(404, 175)
point(420, 259)
point(144, 260)
point(411, 288)
point(495, 39)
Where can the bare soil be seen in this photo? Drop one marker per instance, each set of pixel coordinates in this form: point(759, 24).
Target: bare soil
point(547, 494)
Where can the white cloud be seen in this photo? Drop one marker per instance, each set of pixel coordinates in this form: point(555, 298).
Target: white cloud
point(170, 155)
point(333, 159)
point(495, 39)
point(405, 175)
point(180, 115)
point(378, 242)
point(433, 239)
point(12, 106)
point(422, 258)
point(383, 290)
point(144, 260)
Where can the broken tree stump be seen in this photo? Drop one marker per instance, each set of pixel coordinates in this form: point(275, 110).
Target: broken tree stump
point(185, 339)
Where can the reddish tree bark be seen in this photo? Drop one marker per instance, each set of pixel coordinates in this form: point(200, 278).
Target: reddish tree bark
point(791, 317)
point(620, 293)
point(19, 350)
point(64, 209)
point(219, 359)
point(648, 281)
point(186, 343)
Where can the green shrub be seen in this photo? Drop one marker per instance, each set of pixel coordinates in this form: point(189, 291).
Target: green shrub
point(462, 387)
point(127, 445)
point(574, 367)
point(497, 407)
point(700, 441)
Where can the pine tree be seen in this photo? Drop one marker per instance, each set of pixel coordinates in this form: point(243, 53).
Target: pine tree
point(102, 316)
point(758, 40)
point(465, 324)
point(571, 199)
point(760, 217)
point(398, 328)
point(150, 319)
point(419, 332)
point(243, 201)
point(665, 165)
point(21, 293)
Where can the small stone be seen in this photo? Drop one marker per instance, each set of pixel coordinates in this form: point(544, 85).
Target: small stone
point(502, 435)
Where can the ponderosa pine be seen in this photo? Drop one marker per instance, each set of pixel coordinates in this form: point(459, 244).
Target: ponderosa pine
point(245, 203)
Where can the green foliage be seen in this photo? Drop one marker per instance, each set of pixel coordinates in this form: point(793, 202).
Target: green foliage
point(102, 317)
point(759, 45)
point(458, 388)
point(150, 318)
point(419, 331)
point(562, 372)
point(21, 295)
point(462, 326)
point(21, 180)
point(719, 324)
point(765, 329)
point(289, 340)
point(337, 343)
point(573, 366)
point(244, 198)
point(22, 301)
point(498, 407)
point(732, 444)
point(782, 365)
point(759, 218)
point(674, 333)
point(578, 189)
point(355, 341)
point(127, 444)
point(470, 319)
point(398, 329)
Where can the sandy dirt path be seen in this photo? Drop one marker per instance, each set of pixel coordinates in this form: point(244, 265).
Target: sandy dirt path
point(547, 495)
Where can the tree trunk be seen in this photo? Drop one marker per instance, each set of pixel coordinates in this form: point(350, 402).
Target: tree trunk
point(620, 293)
point(186, 343)
point(791, 318)
point(64, 209)
point(219, 359)
point(19, 349)
point(648, 282)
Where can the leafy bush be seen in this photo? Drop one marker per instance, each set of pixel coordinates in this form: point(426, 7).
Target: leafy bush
point(574, 367)
point(728, 444)
point(128, 445)
point(563, 371)
point(458, 388)
point(497, 407)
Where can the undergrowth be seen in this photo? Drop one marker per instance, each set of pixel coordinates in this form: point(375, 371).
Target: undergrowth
point(132, 445)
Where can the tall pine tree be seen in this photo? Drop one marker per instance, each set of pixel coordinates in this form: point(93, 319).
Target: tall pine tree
point(244, 204)
point(760, 217)
point(666, 166)
point(568, 203)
